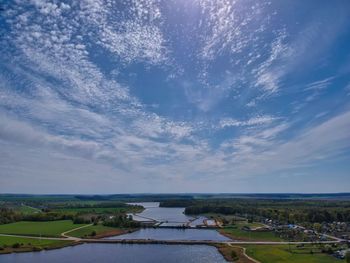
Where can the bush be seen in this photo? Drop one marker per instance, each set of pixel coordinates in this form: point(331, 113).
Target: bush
point(81, 220)
point(16, 245)
point(234, 255)
point(93, 233)
point(327, 249)
point(36, 249)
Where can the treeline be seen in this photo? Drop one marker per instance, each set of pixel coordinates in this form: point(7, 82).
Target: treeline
point(8, 216)
point(281, 211)
point(121, 221)
point(89, 205)
point(177, 203)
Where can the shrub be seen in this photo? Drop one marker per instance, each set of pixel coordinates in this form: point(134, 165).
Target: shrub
point(36, 249)
point(347, 256)
point(234, 255)
point(16, 245)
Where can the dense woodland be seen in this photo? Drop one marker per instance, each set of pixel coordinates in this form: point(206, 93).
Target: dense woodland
point(283, 211)
point(79, 213)
point(121, 221)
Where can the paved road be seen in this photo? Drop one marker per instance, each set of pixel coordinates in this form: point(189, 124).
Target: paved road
point(153, 241)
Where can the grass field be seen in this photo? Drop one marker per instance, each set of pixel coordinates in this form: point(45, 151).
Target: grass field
point(28, 244)
point(233, 253)
point(253, 225)
point(27, 209)
point(46, 228)
point(86, 231)
point(280, 253)
point(237, 233)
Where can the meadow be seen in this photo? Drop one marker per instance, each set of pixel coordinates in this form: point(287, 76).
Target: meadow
point(37, 228)
point(281, 253)
point(97, 231)
point(22, 244)
point(236, 232)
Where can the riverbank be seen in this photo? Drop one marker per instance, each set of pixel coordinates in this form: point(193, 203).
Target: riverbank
point(37, 245)
point(20, 245)
point(14, 244)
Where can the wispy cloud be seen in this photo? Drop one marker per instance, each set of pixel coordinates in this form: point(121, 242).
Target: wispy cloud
point(320, 84)
point(229, 122)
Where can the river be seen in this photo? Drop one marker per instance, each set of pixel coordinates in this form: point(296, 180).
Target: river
point(121, 253)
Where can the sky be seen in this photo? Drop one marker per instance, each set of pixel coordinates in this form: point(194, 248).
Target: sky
point(174, 96)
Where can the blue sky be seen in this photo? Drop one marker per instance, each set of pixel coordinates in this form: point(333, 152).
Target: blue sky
point(174, 96)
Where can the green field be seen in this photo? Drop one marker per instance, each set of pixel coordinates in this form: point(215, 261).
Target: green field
point(28, 244)
point(281, 253)
point(86, 231)
point(27, 209)
point(237, 233)
point(46, 228)
point(253, 225)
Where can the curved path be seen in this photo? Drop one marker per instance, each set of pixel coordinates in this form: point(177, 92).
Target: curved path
point(245, 254)
point(64, 234)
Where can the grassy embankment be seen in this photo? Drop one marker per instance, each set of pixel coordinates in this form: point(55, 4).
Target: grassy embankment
point(276, 254)
point(98, 231)
point(16, 244)
point(233, 253)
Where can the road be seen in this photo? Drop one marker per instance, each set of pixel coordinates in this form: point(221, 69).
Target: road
point(153, 241)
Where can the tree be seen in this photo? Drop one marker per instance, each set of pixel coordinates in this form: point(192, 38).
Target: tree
point(317, 227)
point(347, 256)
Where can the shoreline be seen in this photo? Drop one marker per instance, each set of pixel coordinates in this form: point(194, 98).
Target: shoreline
point(39, 249)
point(24, 249)
point(76, 243)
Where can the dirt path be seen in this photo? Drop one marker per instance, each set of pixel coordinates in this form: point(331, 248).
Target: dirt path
point(245, 254)
point(64, 234)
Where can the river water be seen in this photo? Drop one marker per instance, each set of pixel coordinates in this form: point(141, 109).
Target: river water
point(134, 253)
point(174, 234)
point(172, 216)
point(168, 215)
point(120, 253)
